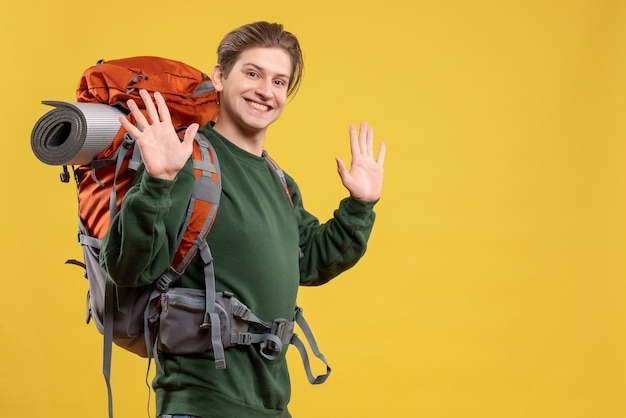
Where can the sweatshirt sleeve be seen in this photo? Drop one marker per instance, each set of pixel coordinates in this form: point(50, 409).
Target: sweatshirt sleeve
point(334, 246)
point(141, 242)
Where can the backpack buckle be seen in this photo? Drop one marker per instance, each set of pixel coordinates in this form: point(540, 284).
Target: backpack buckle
point(282, 329)
point(163, 283)
point(240, 311)
point(241, 338)
point(129, 141)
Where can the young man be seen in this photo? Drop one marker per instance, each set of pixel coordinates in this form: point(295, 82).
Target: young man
point(263, 241)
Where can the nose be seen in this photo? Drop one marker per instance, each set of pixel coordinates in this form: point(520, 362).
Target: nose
point(264, 88)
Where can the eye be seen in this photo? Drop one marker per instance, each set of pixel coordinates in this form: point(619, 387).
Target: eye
point(252, 74)
point(280, 83)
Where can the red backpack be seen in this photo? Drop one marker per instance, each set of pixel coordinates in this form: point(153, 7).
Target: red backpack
point(128, 316)
point(103, 182)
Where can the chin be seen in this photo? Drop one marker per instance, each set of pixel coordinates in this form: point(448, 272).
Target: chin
point(261, 124)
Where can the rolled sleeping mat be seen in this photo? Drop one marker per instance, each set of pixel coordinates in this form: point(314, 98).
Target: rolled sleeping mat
point(73, 132)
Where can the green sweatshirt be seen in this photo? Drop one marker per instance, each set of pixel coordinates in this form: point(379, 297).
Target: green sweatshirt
point(263, 246)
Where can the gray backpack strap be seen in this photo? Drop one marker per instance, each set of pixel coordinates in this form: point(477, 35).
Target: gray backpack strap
point(109, 295)
point(211, 318)
point(85, 239)
point(121, 153)
point(275, 334)
point(108, 342)
point(150, 315)
point(135, 160)
point(278, 171)
point(299, 319)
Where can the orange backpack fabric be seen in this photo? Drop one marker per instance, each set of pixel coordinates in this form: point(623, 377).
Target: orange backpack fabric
point(189, 95)
point(188, 92)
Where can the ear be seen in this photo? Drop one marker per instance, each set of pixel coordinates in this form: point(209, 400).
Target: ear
point(217, 76)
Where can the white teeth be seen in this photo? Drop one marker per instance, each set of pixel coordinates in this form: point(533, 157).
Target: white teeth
point(258, 106)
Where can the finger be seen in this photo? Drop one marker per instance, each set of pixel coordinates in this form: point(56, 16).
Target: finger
point(382, 149)
point(363, 130)
point(130, 128)
point(369, 142)
point(153, 115)
point(190, 133)
point(354, 141)
point(164, 111)
point(341, 167)
point(137, 114)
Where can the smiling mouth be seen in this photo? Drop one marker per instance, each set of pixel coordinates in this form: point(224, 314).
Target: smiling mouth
point(258, 106)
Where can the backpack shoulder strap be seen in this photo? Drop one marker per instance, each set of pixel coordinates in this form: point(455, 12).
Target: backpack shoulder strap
point(279, 173)
point(203, 205)
point(201, 210)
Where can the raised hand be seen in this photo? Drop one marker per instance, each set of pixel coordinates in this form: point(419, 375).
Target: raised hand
point(364, 179)
point(162, 151)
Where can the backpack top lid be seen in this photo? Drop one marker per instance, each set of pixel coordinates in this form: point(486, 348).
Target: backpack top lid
point(189, 93)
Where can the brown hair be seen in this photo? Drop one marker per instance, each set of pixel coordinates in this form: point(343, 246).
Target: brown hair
point(262, 35)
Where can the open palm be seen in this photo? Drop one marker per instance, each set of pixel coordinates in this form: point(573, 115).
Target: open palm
point(162, 151)
point(364, 179)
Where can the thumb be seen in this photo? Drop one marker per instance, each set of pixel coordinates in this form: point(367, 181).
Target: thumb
point(190, 133)
point(341, 168)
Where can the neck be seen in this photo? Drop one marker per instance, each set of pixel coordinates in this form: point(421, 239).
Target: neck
point(250, 141)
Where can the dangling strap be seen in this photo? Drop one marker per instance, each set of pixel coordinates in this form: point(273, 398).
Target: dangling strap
point(211, 318)
point(109, 295)
point(299, 319)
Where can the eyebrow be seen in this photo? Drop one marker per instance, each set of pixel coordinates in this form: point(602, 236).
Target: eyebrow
point(263, 70)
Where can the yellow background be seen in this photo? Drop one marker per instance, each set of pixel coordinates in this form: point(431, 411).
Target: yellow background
point(494, 282)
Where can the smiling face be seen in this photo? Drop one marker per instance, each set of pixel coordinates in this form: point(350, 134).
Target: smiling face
point(252, 94)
